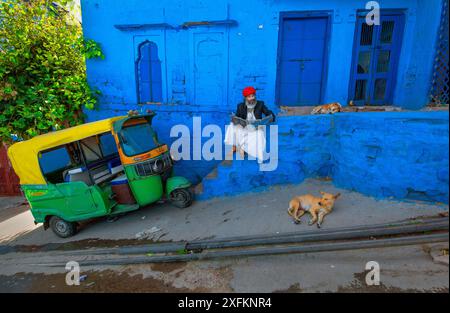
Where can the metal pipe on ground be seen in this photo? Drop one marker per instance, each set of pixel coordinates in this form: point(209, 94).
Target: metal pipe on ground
point(304, 236)
point(321, 247)
point(297, 237)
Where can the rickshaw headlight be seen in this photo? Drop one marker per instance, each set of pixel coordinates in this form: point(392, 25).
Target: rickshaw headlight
point(158, 166)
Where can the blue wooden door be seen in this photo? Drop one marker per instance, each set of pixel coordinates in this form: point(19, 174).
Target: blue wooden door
point(301, 61)
point(375, 59)
point(148, 71)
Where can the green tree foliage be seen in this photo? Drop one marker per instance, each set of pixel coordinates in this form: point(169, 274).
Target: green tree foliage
point(43, 83)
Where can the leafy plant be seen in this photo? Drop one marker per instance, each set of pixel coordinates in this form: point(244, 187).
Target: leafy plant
point(43, 84)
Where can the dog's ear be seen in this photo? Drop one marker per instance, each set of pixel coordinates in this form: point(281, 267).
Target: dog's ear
point(337, 195)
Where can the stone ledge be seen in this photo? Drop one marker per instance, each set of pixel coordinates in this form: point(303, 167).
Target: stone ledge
point(306, 110)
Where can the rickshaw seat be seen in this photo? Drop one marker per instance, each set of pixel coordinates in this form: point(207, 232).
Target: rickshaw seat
point(83, 176)
point(115, 166)
point(78, 174)
point(100, 172)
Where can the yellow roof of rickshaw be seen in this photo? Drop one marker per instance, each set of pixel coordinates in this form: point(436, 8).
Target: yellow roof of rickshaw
point(24, 155)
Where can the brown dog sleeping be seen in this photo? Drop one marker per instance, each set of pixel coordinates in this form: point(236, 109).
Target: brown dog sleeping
point(317, 207)
point(329, 108)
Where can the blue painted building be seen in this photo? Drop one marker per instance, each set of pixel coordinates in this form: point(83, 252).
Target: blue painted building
point(296, 52)
point(192, 58)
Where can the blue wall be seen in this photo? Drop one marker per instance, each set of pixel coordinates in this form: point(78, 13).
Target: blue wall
point(405, 155)
point(399, 155)
point(246, 53)
point(303, 151)
point(383, 154)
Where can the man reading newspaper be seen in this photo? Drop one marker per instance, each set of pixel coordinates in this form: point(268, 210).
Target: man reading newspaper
point(244, 132)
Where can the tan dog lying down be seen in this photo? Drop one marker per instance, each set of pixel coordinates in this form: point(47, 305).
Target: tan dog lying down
point(317, 207)
point(329, 108)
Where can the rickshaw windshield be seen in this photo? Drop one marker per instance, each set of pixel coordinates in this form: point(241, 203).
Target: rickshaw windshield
point(138, 139)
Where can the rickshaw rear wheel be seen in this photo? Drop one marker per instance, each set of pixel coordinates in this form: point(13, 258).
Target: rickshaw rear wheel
point(62, 228)
point(181, 197)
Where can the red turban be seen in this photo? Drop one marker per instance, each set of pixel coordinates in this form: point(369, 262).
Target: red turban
point(248, 91)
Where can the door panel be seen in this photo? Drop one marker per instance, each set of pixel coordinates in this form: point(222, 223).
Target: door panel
point(313, 49)
point(313, 69)
point(375, 58)
point(78, 198)
point(209, 71)
point(301, 60)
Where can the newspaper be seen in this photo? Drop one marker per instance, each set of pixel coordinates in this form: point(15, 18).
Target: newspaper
point(244, 123)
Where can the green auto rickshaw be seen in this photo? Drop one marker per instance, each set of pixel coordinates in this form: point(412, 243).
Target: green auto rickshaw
point(102, 168)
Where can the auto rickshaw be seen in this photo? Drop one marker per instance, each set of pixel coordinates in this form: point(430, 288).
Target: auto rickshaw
point(102, 168)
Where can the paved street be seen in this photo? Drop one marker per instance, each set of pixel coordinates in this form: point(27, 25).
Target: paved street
point(402, 269)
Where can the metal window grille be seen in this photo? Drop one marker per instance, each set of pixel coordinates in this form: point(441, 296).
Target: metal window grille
point(439, 83)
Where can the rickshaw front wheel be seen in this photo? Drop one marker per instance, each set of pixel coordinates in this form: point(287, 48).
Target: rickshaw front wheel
point(62, 228)
point(181, 197)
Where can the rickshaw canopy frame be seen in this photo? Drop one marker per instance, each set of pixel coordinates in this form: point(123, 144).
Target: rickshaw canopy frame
point(24, 155)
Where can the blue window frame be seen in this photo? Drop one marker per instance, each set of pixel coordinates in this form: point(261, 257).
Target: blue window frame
point(376, 53)
point(148, 74)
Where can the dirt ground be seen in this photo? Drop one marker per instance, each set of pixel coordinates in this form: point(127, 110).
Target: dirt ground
point(405, 269)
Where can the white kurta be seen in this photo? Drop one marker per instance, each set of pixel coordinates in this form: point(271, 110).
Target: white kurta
point(251, 139)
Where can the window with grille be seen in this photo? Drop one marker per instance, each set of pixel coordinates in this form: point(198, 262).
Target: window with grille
point(439, 84)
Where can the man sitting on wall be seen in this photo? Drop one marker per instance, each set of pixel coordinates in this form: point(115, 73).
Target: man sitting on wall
point(245, 136)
